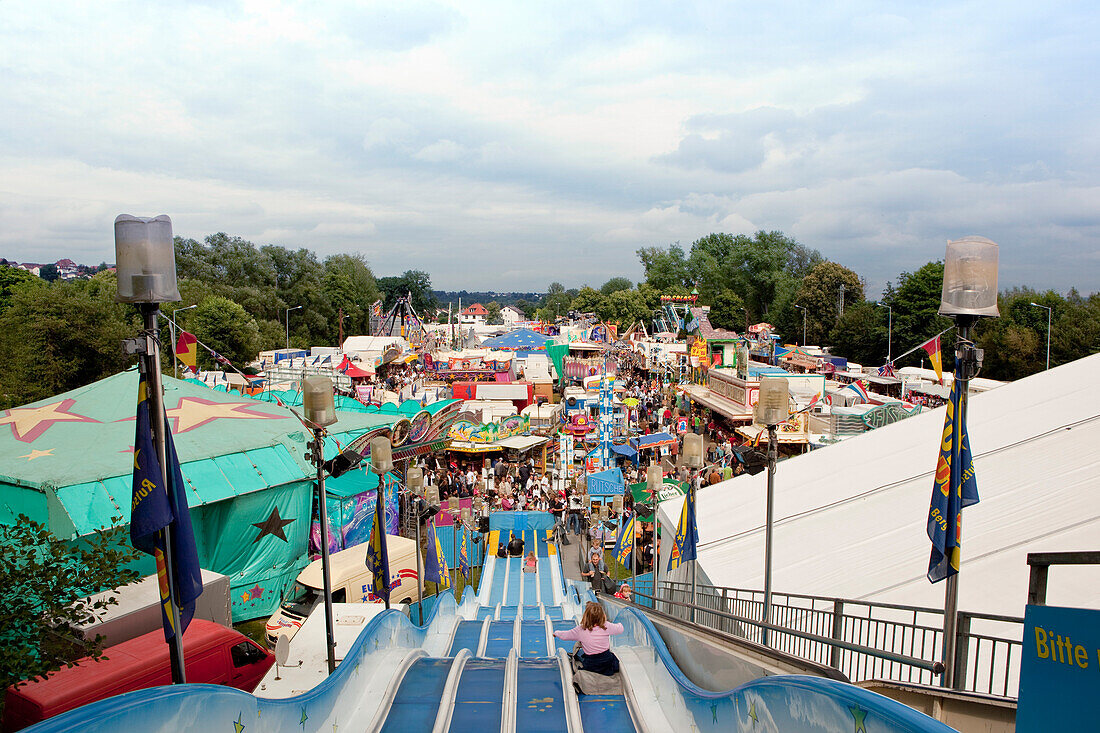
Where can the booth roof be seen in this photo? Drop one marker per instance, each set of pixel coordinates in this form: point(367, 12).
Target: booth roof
point(522, 339)
point(653, 439)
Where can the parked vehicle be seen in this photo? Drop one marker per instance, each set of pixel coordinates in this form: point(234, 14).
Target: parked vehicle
point(212, 654)
point(136, 610)
point(351, 582)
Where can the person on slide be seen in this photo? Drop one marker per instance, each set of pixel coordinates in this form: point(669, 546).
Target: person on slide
point(594, 634)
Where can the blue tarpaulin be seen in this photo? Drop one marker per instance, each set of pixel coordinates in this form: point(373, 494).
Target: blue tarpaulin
point(521, 340)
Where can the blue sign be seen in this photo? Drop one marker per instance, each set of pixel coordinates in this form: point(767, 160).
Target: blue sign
point(1060, 671)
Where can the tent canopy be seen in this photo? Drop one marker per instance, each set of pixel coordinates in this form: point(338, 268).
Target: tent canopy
point(653, 440)
point(522, 339)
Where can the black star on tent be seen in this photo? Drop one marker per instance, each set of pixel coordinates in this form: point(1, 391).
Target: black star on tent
point(273, 525)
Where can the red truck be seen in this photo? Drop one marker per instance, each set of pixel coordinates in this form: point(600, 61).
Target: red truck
point(213, 654)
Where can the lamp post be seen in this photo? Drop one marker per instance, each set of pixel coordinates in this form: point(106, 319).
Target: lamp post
point(146, 262)
point(172, 328)
point(693, 459)
point(414, 482)
point(772, 407)
point(1048, 310)
point(317, 401)
point(803, 309)
point(381, 463)
point(655, 480)
point(288, 310)
point(969, 293)
point(889, 330)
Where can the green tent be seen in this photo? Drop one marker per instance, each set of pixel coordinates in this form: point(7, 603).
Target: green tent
point(66, 462)
point(671, 489)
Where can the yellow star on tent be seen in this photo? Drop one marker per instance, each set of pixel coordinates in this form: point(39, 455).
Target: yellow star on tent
point(859, 715)
point(27, 423)
point(194, 412)
point(35, 453)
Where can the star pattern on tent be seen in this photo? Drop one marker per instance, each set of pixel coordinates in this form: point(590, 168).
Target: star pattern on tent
point(238, 726)
point(28, 423)
point(304, 718)
point(194, 412)
point(256, 591)
point(35, 453)
point(752, 712)
point(273, 525)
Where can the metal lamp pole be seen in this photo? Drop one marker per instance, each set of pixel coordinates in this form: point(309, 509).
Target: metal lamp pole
point(414, 481)
point(146, 260)
point(288, 310)
point(889, 331)
point(320, 411)
point(1048, 310)
point(172, 327)
point(773, 451)
point(803, 309)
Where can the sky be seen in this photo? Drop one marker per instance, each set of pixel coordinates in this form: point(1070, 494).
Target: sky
point(505, 145)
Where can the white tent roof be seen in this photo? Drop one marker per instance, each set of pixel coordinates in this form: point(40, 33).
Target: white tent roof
point(850, 519)
point(372, 343)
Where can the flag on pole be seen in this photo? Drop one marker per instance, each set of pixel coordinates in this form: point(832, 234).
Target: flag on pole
point(687, 534)
point(464, 557)
point(860, 391)
point(435, 564)
point(886, 370)
point(955, 488)
point(378, 554)
point(624, 544)
point(187, 350)
point(155, 507)
point(935, 356)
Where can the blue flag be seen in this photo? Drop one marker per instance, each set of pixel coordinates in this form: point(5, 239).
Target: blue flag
point(955, 488)
point(378, 555)
point(687, 534)
point(463, 557)
point(156, 507)
point(435, 564)
point(624, 544)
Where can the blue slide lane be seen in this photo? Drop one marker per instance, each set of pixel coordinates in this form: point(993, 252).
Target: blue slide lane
point(486, 612)
point(605, 712)
point(540, 702)
point(531, 613)
point(554, 613)
point(530, 589)
point(479, 698)
point(467, 636)
point(566, 645)
point(511, 596)
point(509, 613)
point(417, 701)
point(532, 639)
point(496, 590)
point(546, 583)
point(499, 642)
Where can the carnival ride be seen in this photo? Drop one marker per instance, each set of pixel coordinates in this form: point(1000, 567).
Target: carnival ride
point(401, 320)
point(491, 663)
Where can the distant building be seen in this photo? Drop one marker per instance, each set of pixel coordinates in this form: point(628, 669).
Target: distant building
point(475, 315)
point(512, 315)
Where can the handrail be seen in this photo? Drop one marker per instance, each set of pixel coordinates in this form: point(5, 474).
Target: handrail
point(933, 667)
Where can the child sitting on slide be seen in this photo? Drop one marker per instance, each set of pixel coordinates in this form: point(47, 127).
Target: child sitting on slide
point(594, 634)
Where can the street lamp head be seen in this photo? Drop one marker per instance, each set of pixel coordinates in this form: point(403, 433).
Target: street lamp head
point(654, 478)
point(146, 259)
point(414, 479)
point(773, 405)
point(970, 278)
point(317, 400)
point(693, 450)
point(381, 455)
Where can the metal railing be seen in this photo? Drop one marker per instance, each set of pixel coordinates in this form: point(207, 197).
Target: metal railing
point(864, 640)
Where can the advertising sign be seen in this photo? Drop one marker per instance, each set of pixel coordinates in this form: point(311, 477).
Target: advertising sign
point(1060, 670)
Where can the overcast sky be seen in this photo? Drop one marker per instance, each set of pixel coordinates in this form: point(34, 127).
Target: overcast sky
point(506, 145)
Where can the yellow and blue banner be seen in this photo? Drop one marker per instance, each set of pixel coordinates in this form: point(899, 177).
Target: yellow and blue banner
point(955, 488)
point(463, 556)
point(624, 543)
point(687, 534)
point(435, 564)
point(156, 507)
point(378, 554)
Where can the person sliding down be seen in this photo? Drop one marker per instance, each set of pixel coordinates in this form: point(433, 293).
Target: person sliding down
point(530, 563)
point(594, 634)
point(515, 547)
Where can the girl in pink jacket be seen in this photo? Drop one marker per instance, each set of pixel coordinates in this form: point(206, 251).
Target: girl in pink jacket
point(594, 634)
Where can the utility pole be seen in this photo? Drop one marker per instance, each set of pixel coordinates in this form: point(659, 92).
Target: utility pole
point(340, 317)
point(840, 303)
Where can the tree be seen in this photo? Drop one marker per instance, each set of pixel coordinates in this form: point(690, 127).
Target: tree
point(45, 582)
point(60, 336)
point(556, 302)
point(916, 304)
point(626, 307)
point(493, 316)
point(819, 294)
point(10, 278)
point(590, 300)
point(616, 284)
point(48, 273)
point(666, 270)
point(226, 328)
point(348, 284)
point(728, 311)
point(416, 282)
point(860, 334)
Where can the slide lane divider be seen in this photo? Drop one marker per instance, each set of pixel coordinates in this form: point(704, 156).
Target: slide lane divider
point(447, 699)
point(391, 689)
point(484, 637)
point(511, 696)
point(569, 693)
